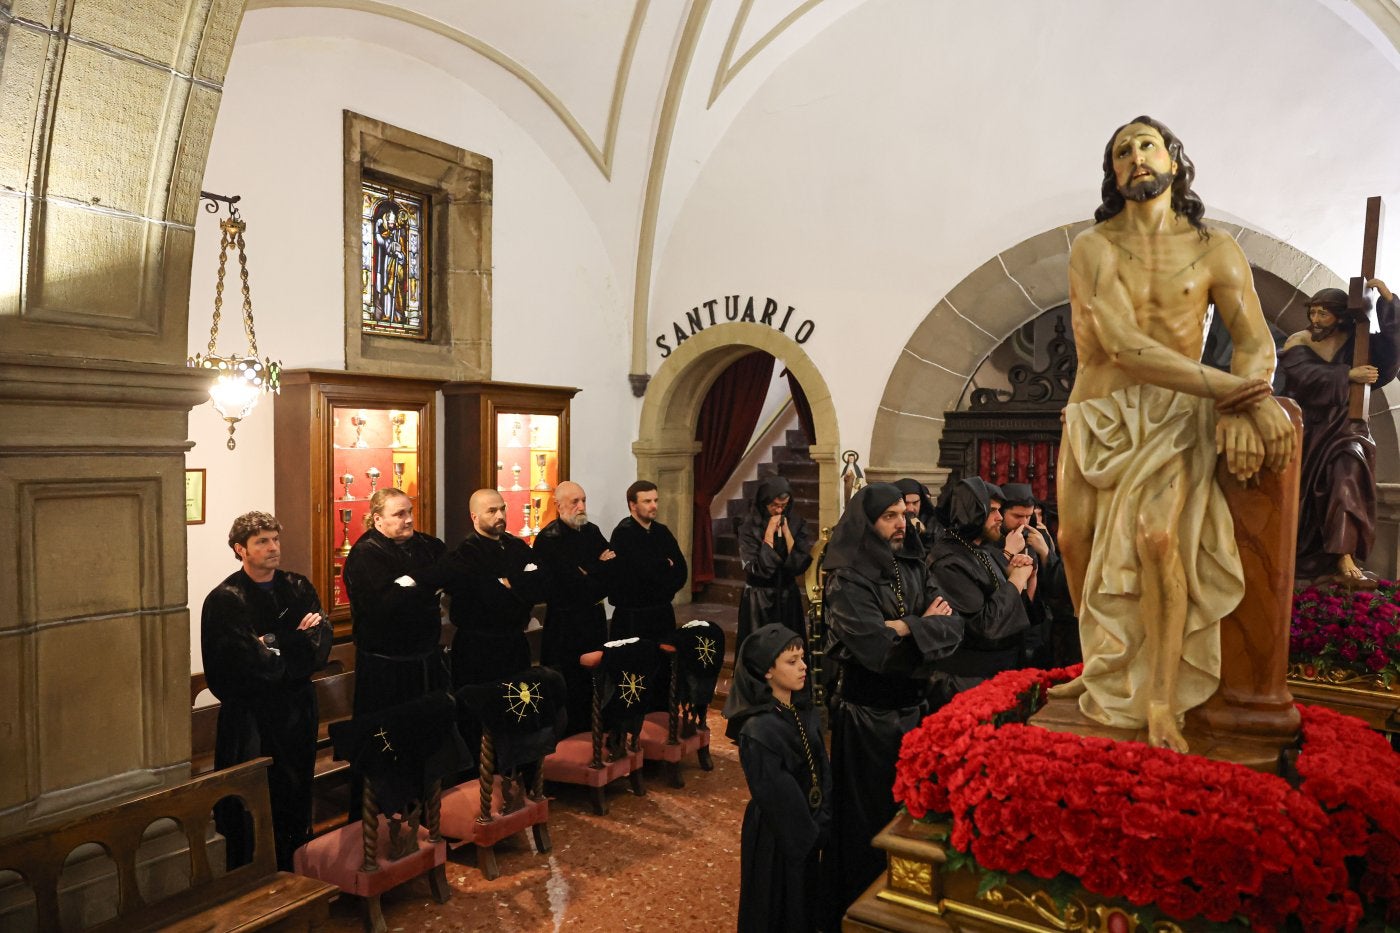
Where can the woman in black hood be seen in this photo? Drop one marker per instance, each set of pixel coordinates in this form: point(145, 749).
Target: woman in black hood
point(776, 550)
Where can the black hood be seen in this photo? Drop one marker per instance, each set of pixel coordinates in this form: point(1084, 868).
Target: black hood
point(854, 541)
point(749, 692)
point(970, 505)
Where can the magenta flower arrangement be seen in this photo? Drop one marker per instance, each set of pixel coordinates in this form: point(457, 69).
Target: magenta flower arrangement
point(1341, 635)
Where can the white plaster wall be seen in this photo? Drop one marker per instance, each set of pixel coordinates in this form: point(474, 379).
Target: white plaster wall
point(278, 143)
point(909, 142)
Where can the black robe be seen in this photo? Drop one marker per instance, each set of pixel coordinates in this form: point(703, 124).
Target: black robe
point(648, 572)
point(1337, 508)
point(782, 836)
point(397, 629)
point(576, 583)
point(993, 609)
point(772, 573)
point(267, 701)
point(1035, 642)
point(882, 684)
point(490, 618)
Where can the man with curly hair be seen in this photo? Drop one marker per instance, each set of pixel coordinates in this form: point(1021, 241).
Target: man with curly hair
point(262, 637)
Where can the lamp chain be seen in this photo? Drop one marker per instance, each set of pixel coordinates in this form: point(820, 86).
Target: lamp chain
point(247, 298)
point(224, 241)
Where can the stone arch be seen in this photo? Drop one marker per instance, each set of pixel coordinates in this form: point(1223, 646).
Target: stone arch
point(666, 444)
point(1016, 285)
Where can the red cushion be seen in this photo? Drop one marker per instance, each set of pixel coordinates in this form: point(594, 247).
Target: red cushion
point(338, 856)
point(570, 762)
point(462, 805)
point(655, 731)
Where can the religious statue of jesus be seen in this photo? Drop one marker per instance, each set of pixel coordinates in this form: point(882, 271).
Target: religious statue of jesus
point(1147, 539)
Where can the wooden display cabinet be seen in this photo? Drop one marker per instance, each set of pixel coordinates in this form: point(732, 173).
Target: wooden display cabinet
point(337, 438)
point(512, 437)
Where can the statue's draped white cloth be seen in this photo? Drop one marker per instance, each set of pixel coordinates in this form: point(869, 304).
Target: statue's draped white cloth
point(1124, 445)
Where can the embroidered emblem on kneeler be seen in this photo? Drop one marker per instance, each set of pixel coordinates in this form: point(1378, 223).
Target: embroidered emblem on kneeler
point(522, 699)
point(705, 650)
point(632, 686)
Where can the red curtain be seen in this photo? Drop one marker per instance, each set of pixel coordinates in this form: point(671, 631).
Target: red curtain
point(804, 408)
point(1032, 462)
point(728, 417)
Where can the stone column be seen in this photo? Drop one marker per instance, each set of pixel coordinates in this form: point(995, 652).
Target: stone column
point(108, 111)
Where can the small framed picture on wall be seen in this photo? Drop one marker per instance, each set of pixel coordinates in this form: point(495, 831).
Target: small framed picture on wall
point(194, 497)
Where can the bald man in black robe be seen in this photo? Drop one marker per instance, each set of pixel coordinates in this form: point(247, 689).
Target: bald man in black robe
point(888, 622)
point(494, 582)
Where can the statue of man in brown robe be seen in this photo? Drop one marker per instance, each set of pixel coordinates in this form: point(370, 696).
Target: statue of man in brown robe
point(1337, 508)
point(1145, 533)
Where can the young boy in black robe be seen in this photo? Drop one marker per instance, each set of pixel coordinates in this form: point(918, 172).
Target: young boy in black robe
point(785, 763)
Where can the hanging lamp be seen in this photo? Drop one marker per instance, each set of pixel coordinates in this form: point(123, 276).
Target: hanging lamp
point(239, 380)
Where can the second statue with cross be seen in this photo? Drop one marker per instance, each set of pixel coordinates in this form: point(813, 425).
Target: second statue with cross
point(1330, 368)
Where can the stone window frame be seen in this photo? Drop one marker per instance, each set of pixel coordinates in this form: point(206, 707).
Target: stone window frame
point(459, 184)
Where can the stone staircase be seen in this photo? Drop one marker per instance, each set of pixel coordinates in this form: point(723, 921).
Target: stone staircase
point(718, 602)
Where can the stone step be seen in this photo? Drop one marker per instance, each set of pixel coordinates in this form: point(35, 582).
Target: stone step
point(793, 470)
point(723, 593)
point(806, 506)
point(729, 567)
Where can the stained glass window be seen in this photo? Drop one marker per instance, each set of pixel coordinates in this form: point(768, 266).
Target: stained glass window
point(393, 267)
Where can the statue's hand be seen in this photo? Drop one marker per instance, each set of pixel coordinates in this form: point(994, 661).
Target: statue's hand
point(1276, 431)
point(1363, 375)
point(1240, 398)
point(1379, 286)
point(1237, 439)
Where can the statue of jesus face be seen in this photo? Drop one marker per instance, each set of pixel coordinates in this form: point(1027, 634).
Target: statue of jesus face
point(1321, 323)
point(1141, 163)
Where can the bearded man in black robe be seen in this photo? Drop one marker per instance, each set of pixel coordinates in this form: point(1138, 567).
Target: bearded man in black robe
point(888, 622)
point(262, 637)
point(494, 583)
point(775, 547)
point(921, 524)
point(576, 561)
point(650, 569)
point(1337, 512)
point(986, 596)
point(1020, 535)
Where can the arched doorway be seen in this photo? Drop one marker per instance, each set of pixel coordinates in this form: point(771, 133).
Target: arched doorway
point(666, 445)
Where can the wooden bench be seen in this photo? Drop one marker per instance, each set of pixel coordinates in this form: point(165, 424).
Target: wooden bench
point(255, 896)
point(335, 695)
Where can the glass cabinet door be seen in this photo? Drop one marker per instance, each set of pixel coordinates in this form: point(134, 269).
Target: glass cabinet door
point(372, 449)
point(527, 470)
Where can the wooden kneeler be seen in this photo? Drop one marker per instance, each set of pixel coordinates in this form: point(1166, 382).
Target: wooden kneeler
point(360, 860)
point(622, 672)
point(518, 728)
point(398, 751)
point(695, 653)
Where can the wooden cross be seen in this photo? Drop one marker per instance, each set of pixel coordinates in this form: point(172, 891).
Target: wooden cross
point(1359, 404)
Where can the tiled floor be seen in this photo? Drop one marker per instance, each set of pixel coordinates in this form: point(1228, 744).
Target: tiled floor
point(668, 862)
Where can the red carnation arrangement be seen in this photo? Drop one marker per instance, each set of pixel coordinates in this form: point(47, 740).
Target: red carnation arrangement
point(1357, 631)
point(1192, 836)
